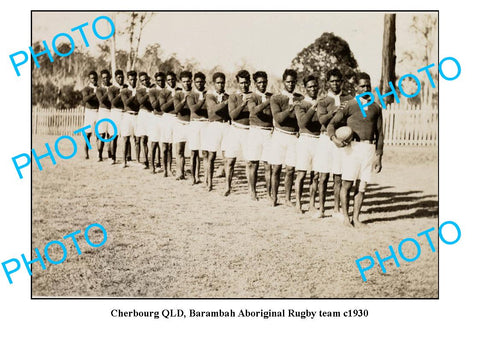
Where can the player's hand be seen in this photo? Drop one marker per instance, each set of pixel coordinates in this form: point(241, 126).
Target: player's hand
point(377, 164)
point(338, 142)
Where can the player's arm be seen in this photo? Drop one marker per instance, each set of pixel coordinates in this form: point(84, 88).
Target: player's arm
point(277, 112)
point(179, 104)
point(142, 96)
point(256, 109)
point(194, 107)
point(213, 107)
point(153, 97)
point(102, 94)
point(233, 110)
point(86, 96)
point(340, 115)
point(127, 97)
point(304, 116)
point(111, 94)
point(377, 165)
point(322, 113)
point(164, 102)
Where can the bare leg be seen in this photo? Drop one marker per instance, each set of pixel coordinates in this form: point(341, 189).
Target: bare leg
point(322, 192)
point(180, 160)
point(210, 169)
point(205, 166)
point(145, 150)
point(114, 149)
point(165, 159)
point(100, 145)
point(268, 178)
point(229, 174)
point(194, 160)
point(126, 143)
point(252, 167)
point(169, 161)
point(313, 190)
point(357, 204)
point(289, 172)
point(276, 170)
point(337, 184)
point(299, 189)
point(345, 198)
point(89, 134)
point(154, 146)
point(137, 148)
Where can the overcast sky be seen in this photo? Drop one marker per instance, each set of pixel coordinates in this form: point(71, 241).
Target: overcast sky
point(267, 41)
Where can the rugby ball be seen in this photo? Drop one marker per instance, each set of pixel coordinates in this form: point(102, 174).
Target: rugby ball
point(344, 134)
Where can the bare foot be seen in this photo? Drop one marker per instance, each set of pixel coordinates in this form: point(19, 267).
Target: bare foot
point(254, 197)
point(227, 192)
point(114, 162)
point(359, 224)
point(347, 223)
point(318, 214)
point(298, 209)
point(288, 203)
point(125, 165)
point(209, 188)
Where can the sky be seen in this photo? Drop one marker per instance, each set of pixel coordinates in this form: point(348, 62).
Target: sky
point(267, 41)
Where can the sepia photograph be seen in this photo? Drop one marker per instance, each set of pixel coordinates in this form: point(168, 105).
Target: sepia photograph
point(234, 154)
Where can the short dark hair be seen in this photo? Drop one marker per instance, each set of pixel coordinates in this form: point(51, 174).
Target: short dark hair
point(334, 72)
point(309, 78)
point(105, 71)
point(362, 75)
point(93, 73)
point(118, 73)
point(259, 74)
point(243, 74)
point(143, 74)
point(200, 75)
point(185, 74)
point(218, 75)
point(132, 73)
point(159, 74)
point(350, 74)
point(289, 72)
point(171, 73)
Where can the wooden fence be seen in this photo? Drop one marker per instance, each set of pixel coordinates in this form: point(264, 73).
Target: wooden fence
point(408, 125)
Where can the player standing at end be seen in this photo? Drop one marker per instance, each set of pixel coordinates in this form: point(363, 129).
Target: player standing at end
point(364, 153)
point(104, 112)
point(116, 109)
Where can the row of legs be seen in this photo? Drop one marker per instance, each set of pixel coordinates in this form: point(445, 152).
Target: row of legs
point(318, 181)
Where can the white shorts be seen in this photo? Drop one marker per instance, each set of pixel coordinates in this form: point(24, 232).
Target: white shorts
point(236, 141)
point(325, 155)
point(103, 126)
point(307, 152)
point(337, 156)
point(127, 127)
point(216, 136)
point(90, 119)
point(116, 117)
point(284, 148)
point(180, 131)
point(357, 161)
point(169, 121)
point(197, 134)
point(143, 120)
point(154, 129)
point(258, 144)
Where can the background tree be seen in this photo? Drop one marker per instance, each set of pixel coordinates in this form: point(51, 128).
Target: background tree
point(324, 53)
point(388, 56)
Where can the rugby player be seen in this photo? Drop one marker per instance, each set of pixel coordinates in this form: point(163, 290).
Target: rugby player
point(168, 120)
point(364, 154)
point(182, 112)
point(144, 117)
point(131, 108)
point(307, 144)
point(198, 125)
point(103, 112)
point(284, 136)
point(90, 100)
point(155, 127)
point(260, 133)
point(116, 109)
point(238, 132)
point(217, 106)
point(330, 156)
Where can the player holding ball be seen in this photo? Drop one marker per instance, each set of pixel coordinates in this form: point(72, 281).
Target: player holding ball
point(362, 143)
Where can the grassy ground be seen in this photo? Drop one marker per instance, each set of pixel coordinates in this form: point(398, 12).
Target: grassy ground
point(169, 239)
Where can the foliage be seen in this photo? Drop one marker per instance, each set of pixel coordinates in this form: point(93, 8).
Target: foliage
point(325, 53)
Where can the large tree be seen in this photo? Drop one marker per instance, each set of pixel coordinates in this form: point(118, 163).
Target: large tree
point(324, 53)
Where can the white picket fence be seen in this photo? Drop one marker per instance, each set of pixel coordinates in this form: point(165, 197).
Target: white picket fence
point(408, 125)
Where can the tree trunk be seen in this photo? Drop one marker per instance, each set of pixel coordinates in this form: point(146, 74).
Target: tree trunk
point(388, 56)
point(113, 49)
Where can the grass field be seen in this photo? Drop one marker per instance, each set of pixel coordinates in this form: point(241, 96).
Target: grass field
point(169, 239)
